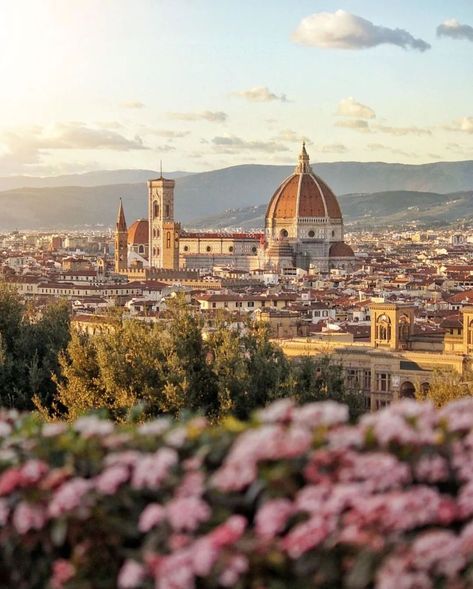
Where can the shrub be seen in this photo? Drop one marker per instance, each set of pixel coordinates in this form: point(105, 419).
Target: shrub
point(294, 498)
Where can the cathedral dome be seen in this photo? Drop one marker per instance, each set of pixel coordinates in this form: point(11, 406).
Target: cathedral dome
point(303, 194)
point(138, 233)
point(341, 250)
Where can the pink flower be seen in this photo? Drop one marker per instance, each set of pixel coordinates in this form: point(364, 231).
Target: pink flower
point(324, 414)
point(131, 576)
point(28, 517)
point(151, 516)
point(229, 532)
point(63, 571)
point(187, 513)
point(69, 496)
point(33, 471)
point(10, 480)
point(234, 568)
point(151, 469)
point(111, 479)
point(91, 425)
point(307, 535)
point(272, 517)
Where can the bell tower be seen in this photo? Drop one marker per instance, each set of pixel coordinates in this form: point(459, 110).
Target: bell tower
point(392, 324)
point(163, 231)
point(121, 241)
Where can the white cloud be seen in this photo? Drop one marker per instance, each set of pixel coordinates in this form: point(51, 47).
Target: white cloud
point(343, 30)
point(132, 104)
point(169, 134)
point(232, 144)
point(260, 94)
point(349, 107)
point(292, 136)
point(206, 115)
point(455, 30)
point(355, 124)
point(28, 145)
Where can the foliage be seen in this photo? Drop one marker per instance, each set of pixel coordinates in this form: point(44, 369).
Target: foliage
point(293, 498)
point(30, 341)
point(321, 378)
point(446, 386)
point(169, 368)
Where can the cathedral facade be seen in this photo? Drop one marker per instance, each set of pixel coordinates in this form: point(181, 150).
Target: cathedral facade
point(303, 230)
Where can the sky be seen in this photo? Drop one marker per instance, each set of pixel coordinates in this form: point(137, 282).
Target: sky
point(206, 84)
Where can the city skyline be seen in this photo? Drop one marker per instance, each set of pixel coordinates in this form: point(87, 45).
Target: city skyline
point(101, 85)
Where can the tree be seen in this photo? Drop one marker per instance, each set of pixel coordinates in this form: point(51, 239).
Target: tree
point(446, 386)
point(318, 378)
point(30, 341)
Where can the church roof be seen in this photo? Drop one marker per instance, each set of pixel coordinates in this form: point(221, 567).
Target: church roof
point(303, 194)
point(138, 233)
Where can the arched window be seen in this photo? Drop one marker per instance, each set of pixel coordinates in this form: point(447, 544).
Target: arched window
point(383, 328)
point(155, 209)
point(404, 327)
point(141, 249)
point(168, 209)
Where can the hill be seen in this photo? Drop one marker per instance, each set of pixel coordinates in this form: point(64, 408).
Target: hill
point(78, 202)
point(366, 210)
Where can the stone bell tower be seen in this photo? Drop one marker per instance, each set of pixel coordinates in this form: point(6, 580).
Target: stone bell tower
point(163, 231)
point(121, 241)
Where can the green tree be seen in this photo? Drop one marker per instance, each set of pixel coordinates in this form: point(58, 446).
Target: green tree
point(319, 378)
point(30, 341)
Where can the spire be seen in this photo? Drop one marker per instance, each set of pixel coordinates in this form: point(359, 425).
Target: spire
point(121, 222)
point(303, 167)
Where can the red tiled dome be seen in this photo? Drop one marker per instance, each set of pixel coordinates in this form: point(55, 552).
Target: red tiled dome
point(138, 233)
point(303, 195)
point(341, 250)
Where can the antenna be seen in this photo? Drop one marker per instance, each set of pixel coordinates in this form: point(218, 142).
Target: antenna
point(160, 168)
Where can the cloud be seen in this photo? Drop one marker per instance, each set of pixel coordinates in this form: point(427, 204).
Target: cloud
point(349, 107)
point(453, 29)
point(80, 136)
point(28, 145)
point(206, 115)
point(169, 134)
point(260, 94)
point(464, 125)
point(292, 137)
point(343, 30)
point(355, 124)
point(401, 131)
point(132, 104)
point(332, 148)
point(232, 144)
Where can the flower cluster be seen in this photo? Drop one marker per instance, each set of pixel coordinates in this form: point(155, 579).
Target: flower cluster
point(295, 498)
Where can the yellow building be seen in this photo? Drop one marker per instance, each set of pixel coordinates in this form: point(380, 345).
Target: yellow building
point(395, 361)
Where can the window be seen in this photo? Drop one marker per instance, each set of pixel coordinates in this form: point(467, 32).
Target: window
point(283, 233)
point(250, 304)
point(186, 248)
point(311, 233)
point(141, 249)
point(167, 210)
point(230, 249)
point(254, 249)
point(155, 209)
point(168, 239)
point(383, 382)
point(208, 249)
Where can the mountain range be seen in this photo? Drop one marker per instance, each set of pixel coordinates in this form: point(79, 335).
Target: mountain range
point(397, 193)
